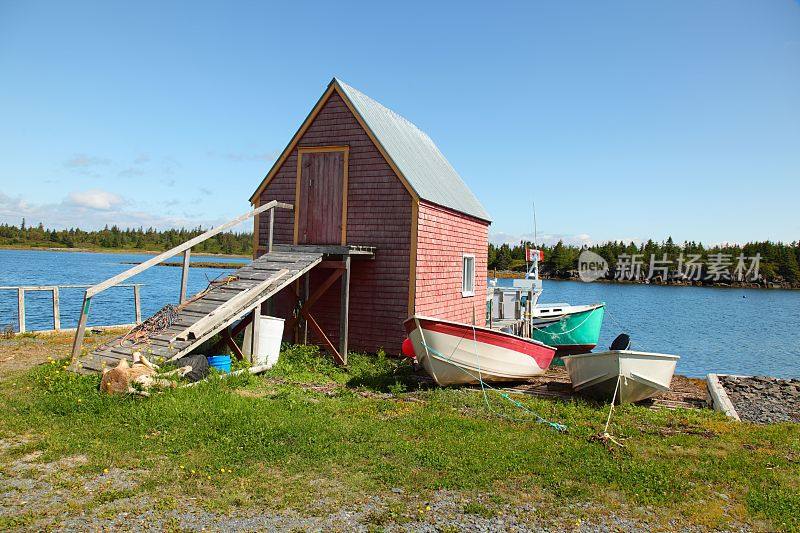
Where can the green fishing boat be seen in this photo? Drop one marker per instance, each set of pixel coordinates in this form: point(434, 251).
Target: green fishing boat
point(570, 329)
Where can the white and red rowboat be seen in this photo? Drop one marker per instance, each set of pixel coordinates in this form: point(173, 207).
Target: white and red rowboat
point(455, 353)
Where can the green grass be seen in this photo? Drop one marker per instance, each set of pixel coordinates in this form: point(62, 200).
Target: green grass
point(308, 428)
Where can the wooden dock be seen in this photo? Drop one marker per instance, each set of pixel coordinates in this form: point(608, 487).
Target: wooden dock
point(211, 311)
point(226, 306)
point(229, 305)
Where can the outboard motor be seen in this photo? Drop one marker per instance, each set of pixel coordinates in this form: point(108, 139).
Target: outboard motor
point(622, 342)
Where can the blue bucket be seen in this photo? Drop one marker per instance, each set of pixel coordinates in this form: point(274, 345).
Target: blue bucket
point(220, 362)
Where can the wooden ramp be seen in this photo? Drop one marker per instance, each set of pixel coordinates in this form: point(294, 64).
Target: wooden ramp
point(211, 311)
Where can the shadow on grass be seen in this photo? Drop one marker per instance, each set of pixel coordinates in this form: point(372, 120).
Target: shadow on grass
point(401, 379)
point(376, 372)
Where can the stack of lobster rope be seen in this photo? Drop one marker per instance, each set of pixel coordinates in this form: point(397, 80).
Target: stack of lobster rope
point(157, 323)
point(166, 316)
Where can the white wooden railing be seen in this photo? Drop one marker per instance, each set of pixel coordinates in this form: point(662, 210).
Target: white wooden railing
point(55, 291)
point(185, 248)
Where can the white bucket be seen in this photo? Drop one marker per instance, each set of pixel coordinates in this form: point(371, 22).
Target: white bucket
point(268, 344)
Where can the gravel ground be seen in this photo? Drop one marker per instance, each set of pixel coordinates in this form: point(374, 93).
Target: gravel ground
point(37, 496)
point(764, 400)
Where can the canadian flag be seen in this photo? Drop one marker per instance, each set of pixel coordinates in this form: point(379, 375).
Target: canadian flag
point(530, 253)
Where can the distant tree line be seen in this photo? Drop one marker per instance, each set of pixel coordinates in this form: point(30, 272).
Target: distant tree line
point(778, 262)
point(113, 237)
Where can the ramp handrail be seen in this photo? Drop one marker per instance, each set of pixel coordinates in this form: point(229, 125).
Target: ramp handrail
point(185, 248)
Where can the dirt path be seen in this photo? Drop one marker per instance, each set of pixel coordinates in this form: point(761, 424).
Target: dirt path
point(29, 349)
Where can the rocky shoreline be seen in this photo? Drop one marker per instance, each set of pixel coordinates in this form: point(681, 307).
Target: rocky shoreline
point(513, 274)
point(764, 400)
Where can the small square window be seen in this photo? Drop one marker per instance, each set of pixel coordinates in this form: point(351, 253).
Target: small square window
point(468, 275)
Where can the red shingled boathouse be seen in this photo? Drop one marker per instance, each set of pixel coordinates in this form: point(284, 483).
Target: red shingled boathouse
point(360, 175)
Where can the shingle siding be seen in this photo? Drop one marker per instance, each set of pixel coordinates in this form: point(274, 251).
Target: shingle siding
point(443, 237)
point(378, 214)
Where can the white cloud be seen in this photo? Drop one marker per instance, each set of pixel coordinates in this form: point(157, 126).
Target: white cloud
point(83, 161)
point(94, 199)
point(89, 212)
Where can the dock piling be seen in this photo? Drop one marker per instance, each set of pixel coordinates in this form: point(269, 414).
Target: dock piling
point(56, 310)
point(137, 304)
point(21, 309)
point(344, 311)
point(185, 274)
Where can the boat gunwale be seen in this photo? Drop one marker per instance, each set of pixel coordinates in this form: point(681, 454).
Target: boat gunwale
point(480, 328)
point(582, 308)
point(619, 353)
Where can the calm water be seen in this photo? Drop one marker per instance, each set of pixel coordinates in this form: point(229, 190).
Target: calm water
point(160, 285)
point(713, 330)
point(728, 331)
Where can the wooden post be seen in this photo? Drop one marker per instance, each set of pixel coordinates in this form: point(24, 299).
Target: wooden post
point(529, 314)
point(501, 306)
point(517, 304)
point(56, 310)
point(185, 274)
point(306, 291)
point(141, 267)
point(21, 309)
point(344, 310)
point(237, 352)
point(137, 304)
point(255, 328)
point(271, 226)
point(78, 341)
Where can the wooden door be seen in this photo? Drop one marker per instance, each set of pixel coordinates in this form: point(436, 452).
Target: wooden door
point(320, 199)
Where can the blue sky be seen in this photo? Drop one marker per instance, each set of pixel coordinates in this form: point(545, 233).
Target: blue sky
point(621, 120)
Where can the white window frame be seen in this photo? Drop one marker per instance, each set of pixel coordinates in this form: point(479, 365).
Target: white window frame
point(465, 291)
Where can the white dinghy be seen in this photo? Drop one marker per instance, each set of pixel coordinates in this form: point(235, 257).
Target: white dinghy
point(640, 374)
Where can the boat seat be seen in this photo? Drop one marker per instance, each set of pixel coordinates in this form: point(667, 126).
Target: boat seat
point(622, 342)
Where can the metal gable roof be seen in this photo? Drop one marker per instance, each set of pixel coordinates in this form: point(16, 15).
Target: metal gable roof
point(415, 155)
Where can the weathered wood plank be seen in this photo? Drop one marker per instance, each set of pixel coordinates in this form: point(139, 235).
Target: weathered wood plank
point(344, 311)
point(56, 310)
point(232, 306)
point(137, 304)
point(248, 285)
point(218, 308)
point(187, 255)
point(190, 312)
point(21, 309)
point(204, 306)
point(259, 275)
point(325, 249)
point(91, 291)
point(220, 296)
point(81, 330)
